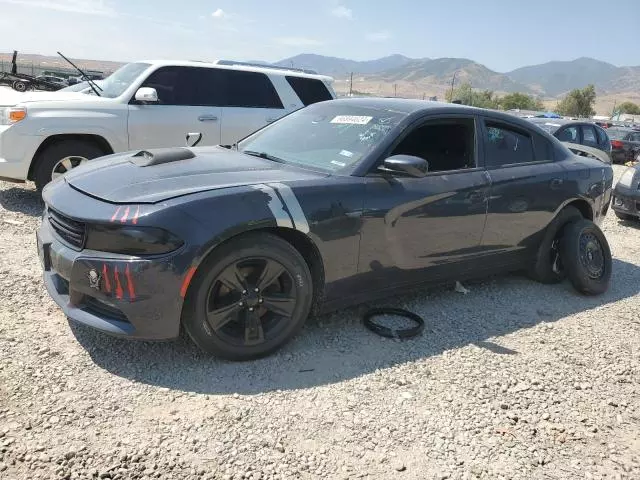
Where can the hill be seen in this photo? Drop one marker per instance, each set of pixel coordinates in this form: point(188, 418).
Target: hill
point(342, 66)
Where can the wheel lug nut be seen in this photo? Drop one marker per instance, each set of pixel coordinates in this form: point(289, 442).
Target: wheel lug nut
point(256, 290)
point(241, 304)
point(261, 300)
point(244, 292)
point(251, 309)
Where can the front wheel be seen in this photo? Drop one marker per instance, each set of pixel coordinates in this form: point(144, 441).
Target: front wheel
point(20, 86)
point(248, 298)
point(61, 157)
point(587, 257)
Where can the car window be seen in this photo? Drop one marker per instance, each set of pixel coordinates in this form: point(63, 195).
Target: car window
point(603, 139)
point(635, 137)
point(444, 144)
point(568, 134)
point(588, 135)
point(248, 90)
point(327, 136)
point(309, 90)
point(505, 145)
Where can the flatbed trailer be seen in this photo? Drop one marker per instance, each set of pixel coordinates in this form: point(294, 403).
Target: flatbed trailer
point(21, 82)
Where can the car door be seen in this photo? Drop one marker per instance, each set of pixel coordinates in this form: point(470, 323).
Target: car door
point(425, 228)
point(186, 103)
point(527, 187)
point(249, 102)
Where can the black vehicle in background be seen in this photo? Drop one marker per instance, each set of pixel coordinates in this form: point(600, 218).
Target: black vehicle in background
point(576, 132)
point(625, 144)
point(338, 203)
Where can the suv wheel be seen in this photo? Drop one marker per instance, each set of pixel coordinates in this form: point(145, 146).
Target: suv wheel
point(59, 158)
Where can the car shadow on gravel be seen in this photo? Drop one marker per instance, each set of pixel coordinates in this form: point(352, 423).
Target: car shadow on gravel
point(337, 347)
point(22, 200)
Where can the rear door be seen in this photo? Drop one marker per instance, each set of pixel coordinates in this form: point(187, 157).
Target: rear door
point(249, 101)
point(187, 103)
point(527, 187)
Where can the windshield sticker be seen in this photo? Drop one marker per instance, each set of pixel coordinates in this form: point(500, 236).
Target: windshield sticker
point(351, 119)
point(340, 164)
point(346, 153)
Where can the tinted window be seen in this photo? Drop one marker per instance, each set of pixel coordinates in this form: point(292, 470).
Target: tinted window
point(568, 134)
point(588, 135)
point(309, 90)
point(603, 139)
point(544, 148)
point(635, 137)
point(175, 85)
point(249, 90)
point(504, 146)
point(617, 133)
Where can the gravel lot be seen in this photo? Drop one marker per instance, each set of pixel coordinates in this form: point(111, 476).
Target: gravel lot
point(514, 380)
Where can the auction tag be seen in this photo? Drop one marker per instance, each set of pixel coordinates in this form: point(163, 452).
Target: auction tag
point(351, 119)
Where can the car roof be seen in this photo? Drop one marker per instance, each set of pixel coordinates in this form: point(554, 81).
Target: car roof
point(244, 67)
point(560, 121)
point(410, 106)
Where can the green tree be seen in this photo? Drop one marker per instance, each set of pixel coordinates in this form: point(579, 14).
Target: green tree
point(520, 101)
point(578, 102)
point(628, 107)
point(468, 96)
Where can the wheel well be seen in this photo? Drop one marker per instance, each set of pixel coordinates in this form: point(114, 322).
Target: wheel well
point(584, 208)
point(311, 256)
point(99, 141)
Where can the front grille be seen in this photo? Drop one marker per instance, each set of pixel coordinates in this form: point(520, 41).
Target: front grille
point(70, 231)
point(103, 310)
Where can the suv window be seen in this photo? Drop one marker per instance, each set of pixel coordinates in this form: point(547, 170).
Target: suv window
point(248, 90)
point(588, 135)
point(176, 86)
point(505, 145)
point(309, 90)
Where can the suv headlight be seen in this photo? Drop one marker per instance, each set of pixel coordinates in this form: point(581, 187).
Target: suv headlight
point(11, 115)
point(131, 240)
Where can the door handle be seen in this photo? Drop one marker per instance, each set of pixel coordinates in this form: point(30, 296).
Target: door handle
point(270, 120)
point(208, 118)
point(476, 196)
point(556, 182)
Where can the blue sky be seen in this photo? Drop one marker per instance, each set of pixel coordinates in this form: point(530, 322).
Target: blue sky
point(502, 34)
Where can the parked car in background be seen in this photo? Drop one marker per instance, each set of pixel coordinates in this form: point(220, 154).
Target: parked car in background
point(625, 144)
point(52, 79)
point(339, 203)
point(83, 87)
point(148, 105)
point(577, 133)
point(626, 195)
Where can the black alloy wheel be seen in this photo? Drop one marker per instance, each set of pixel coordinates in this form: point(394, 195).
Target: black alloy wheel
point(249, 297)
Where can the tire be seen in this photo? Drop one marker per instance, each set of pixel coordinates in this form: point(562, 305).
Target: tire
point(546, 267)
point(53, 154)
point(587, 257)
point(206, 288)
point(623, 216)
point(20, 86)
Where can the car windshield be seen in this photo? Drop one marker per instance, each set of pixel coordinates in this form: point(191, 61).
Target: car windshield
point(617, 133)
point(115, 84)
point(326, 136)
point(82, 87)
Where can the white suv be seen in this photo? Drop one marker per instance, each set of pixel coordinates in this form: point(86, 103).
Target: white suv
point(149, 104)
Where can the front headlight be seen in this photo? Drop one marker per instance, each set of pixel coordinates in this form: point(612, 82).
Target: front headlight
point(130, 240)
point(626, 180)
point(11, 115)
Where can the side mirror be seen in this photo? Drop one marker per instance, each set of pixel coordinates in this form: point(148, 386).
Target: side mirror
point(147, 95)
point(407, 164)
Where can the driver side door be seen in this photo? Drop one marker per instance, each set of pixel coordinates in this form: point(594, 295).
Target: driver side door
point(187, 103)
point(428, 228)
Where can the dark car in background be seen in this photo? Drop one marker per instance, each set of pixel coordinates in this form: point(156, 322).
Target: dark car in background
point(626, 196)
point(625, 144)
point(338, 203)
point(576, 132)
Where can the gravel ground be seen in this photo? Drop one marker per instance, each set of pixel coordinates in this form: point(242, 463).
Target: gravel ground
point(513, 380)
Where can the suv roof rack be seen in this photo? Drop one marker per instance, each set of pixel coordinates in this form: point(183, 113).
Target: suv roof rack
point(262, 65)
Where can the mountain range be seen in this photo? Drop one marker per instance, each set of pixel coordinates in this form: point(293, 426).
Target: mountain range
point(546, 80)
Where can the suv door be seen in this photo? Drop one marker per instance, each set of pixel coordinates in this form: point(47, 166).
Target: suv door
point(187, 103)
point(527, 187)
point(249, 101)
point(430, 227)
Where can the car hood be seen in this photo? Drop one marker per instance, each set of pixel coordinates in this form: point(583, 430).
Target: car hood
point(156, 175)
point(11, 97)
